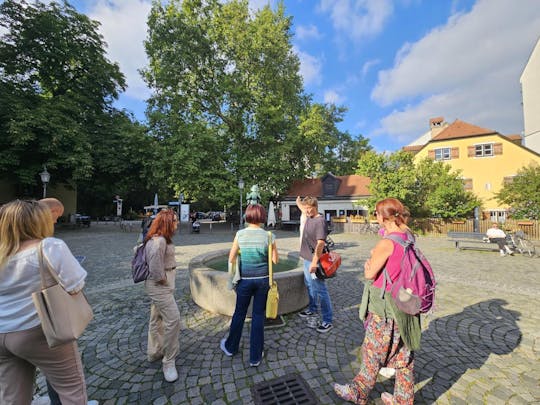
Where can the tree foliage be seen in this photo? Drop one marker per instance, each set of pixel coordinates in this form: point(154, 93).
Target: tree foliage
point(56, 84)
point(124, 159)
point(427, 188)
point(522, 194)
point(330, 149)
point(228, 101)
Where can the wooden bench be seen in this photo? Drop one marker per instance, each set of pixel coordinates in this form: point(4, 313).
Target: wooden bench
point(471, 240)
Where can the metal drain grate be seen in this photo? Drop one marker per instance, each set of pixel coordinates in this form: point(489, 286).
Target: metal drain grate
point(288, 390)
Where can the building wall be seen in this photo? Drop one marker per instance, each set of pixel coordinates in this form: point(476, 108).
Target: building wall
point(67, 195)
point(487, 173)
point(324, 205)
point(530, 90)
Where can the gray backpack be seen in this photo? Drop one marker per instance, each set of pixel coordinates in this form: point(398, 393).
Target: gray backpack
point(139, 266)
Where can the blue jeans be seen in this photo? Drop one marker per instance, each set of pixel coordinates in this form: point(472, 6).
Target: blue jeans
point(245, 289)
point(318, 292)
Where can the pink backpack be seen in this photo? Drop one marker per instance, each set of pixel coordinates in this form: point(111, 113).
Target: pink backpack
point(414, 289)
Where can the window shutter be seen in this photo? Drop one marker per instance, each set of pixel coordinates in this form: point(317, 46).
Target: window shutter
point(455, 153)
point(467, 184)
point(508, 180)
point(431, 154)
point(471, 151)
point(497, 148)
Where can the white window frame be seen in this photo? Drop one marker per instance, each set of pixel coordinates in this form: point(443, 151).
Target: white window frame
point(443, 153)
point(484, 150)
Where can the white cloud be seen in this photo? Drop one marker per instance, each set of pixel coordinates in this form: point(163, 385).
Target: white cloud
point(366, 67)
point(123, 26)
point(309, 32)
point(467, 69)
point(358, 19)
point(310, 67)
point(333, 97)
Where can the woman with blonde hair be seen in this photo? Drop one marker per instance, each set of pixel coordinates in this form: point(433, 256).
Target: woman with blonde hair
point(26, 227)
point(164, 326)
point(391, 335)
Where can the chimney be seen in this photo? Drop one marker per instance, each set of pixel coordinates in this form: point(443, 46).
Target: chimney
point(436, 125)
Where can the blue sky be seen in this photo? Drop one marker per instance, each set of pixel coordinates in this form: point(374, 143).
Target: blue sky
point(393, 63)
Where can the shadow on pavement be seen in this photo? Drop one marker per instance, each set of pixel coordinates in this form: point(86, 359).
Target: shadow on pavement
point(455, 343)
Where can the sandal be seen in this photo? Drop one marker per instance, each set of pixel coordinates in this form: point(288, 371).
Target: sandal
point(387, 398)
point(345, 391)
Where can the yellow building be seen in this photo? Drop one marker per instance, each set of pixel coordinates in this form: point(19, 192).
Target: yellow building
point(485, 158)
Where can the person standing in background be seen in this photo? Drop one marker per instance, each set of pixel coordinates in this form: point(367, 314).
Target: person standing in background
point(164, 324)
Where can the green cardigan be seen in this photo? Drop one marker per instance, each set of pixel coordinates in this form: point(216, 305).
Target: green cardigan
point(408, 325)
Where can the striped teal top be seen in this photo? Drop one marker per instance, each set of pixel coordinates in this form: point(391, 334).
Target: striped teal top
point(253, 243)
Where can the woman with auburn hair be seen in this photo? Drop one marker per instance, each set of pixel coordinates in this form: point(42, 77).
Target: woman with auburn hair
point(391, 335)
point(26, 228)
point(252, 241)
point(164, 326)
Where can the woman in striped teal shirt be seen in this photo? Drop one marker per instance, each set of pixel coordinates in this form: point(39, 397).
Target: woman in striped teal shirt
point(252, 241)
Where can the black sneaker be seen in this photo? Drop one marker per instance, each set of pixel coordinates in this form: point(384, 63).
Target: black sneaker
point(324, 327)
point(306, 313)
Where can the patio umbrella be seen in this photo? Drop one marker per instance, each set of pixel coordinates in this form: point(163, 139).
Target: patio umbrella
point(271, 215)
point(155, 204)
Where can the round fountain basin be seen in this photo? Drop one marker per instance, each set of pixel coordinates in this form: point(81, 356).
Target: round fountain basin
point(209, 286)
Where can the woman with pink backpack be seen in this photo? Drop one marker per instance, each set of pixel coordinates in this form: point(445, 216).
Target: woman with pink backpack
point(391, 335)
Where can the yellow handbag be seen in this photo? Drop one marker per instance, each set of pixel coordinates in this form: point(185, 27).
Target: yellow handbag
point(272, 300)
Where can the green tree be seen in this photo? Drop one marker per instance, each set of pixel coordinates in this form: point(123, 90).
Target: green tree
point(124, 159)
point(327, 148)
point(392, 175)
point(440, 193)
point(522, 194)
point(228, 100)
point(56, 85)
point(428, 188)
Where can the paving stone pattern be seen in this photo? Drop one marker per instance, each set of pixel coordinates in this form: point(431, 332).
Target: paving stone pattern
point(480, 347)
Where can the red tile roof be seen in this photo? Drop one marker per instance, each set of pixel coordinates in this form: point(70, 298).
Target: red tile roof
point(350, 186)
point(461, 129)
point(413, 148)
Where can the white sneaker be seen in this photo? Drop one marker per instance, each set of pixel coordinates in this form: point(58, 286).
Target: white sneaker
point(92, 402)
point(170, 373)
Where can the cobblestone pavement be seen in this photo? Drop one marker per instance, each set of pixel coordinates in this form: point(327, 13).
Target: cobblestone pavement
point(480, 347)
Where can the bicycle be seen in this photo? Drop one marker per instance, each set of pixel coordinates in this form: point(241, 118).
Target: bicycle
point(369, 227)
point(521, 243)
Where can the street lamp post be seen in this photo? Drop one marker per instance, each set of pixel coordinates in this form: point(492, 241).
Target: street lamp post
point(241, 187)
point(45, 178)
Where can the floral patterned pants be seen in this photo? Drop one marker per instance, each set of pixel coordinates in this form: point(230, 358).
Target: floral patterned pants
point(383, 347)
